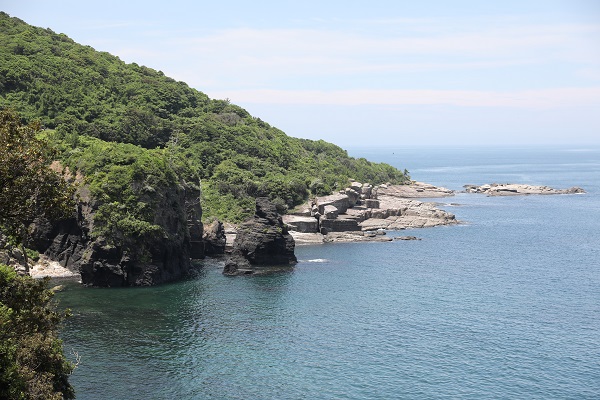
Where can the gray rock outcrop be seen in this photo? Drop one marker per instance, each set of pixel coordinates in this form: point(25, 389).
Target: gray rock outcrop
point(301, 223)
point(339, 201)
point(513, 189)
point(356, 213)
point(261, 242)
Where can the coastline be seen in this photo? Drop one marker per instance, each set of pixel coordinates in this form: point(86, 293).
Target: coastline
point(396, 208)
point(349, 217)
point(46, 267)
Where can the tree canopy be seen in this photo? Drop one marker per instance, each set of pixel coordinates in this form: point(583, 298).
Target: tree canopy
point(79, 92)
point(29, 187)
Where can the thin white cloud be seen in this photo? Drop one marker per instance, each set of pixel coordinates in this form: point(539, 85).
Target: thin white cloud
point(493, 42)
point(546, 98)
point(251, 57)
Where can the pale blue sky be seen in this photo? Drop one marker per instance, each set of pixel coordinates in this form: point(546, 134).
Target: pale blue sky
point(367, 72)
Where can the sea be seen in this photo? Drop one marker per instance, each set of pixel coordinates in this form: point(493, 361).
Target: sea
point(505, 305)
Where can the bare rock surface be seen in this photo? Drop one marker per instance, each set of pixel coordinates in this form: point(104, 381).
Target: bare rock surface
point(261, 242)
point(515, 189)
point(349, 217)
point(414, 190)
point(299, 223)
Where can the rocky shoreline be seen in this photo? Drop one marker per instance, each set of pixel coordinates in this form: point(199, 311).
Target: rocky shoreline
point(46, 267)
point(359, 213)
point(363, 212)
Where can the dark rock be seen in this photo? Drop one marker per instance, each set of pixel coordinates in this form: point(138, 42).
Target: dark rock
point(214, 239)
point(406, 238)
point(261, 241)
point(339, 225)
point(128, 260)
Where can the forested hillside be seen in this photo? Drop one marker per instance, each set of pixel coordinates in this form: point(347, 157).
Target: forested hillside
point(105, 116)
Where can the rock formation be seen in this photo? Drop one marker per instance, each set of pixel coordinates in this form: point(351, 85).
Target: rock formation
point(512, 189)
point(261, 242)
point(361, 208)
point(127, 260)
point(214, 239)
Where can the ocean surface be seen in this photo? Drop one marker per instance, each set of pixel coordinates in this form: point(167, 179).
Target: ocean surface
point(504, 306)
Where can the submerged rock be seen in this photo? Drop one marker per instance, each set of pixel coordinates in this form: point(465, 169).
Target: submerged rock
point(262, 241)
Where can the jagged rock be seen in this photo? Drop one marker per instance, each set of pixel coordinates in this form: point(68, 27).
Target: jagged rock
point(214, 239)
point(374, 192)
point(261, 241)
point(12, 256)
point(131, 260)
point(314, 210)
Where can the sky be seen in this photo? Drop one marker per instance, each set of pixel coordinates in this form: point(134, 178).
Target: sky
point(366, 73)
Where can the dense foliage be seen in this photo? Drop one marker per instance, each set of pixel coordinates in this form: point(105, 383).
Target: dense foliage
point(127, 182)
point(32, 364)
point(80, 92)
point(29, 187)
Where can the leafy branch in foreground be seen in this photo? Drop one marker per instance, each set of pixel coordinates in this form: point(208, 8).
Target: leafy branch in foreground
point(32, 364)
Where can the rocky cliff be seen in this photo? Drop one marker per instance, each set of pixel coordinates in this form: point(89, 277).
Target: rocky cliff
point(127, 260)
point(262, 241)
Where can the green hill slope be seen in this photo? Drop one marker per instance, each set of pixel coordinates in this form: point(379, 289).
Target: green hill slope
point(80, 94)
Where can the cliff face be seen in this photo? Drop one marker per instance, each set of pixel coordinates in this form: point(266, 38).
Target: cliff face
point(262, 241)
point(128, 260)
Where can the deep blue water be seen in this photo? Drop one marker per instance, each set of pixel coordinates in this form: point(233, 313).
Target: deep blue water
point(505, 306)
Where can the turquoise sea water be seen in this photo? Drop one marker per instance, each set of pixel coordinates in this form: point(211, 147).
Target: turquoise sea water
point(505, 306)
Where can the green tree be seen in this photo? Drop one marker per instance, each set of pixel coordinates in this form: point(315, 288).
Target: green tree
point(29, 187)
point(32, 364)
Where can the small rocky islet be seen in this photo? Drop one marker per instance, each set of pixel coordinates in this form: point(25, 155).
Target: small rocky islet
point(514, 189)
